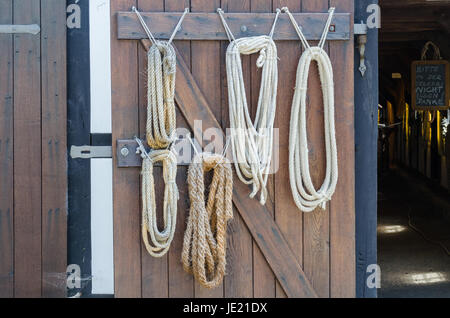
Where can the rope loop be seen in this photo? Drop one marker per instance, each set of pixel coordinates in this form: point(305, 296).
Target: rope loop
point(306, 196)
point(205, 241)
point(252, 142)
point(158, 242)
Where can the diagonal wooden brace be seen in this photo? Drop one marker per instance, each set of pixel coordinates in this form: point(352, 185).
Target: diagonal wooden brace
point(258, 218)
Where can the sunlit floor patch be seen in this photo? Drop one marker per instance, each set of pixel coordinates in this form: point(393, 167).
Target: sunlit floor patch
point(427, 278)
point(389, 229)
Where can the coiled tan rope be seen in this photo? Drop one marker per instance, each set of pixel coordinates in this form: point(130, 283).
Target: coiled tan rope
point(205, 241)
point(161, 115)
point(306, 197)
point(159, 242)
point(161, 126)
point(252, 142)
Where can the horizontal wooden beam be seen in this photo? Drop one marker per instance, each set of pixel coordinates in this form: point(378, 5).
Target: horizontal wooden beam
point(208, 26)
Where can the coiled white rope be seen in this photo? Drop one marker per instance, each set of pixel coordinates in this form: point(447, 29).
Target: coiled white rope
point(252, 142)
point(161, 127)
point(306, 197)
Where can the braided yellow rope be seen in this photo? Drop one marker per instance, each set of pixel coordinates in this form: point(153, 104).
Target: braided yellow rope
point(161, 125)
point(161, 116)
point(204, 246)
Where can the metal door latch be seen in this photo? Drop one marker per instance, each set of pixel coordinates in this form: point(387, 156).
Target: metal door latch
point(20, 28)
point(86, 152)
point(360, 30)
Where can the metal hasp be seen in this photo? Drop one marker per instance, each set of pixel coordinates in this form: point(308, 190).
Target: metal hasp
point(87, 152)
point(128, 157)
point(360, 31)
point(19, 28)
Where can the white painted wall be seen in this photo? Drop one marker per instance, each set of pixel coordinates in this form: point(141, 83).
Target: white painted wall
point(102, 226)
point(100, 55)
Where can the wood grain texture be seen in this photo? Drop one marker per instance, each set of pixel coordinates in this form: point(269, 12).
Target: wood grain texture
point(54, 145)
point(239, 278)
point(205, 68)
point(127, 247)
point(257, 217)
point(342, 207)
point(27, 153)
point(209, 22)
point(181, 284)
point(6, 155)
point(287, 215)
point(263, 277)
point(316, 224)
point(155, 275)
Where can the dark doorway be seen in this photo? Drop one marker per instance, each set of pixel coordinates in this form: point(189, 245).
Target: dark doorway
point(413, 152)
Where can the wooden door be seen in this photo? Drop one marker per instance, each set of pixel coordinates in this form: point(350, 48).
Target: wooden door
point(33, 173)
point(275, 250)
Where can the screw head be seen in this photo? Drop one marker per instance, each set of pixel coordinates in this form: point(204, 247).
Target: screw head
point(124, 151)
point(243, 28)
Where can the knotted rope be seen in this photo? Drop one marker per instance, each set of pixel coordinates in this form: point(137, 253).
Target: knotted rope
point(204, 246)
point(159, 241)
point(306, 197)
point(161, 126)
point(252, 142)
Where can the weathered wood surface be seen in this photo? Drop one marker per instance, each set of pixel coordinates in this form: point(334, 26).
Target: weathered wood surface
point(258, 219)
point(27, 154)
point(241, 24)
point(312, 245)
point(6, 155)
point(54, 148)
point(127, 244)
point(342, 207)
point(33, 151)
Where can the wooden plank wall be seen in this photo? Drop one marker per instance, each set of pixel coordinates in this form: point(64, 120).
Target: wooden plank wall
point(33, 173)
point(323, 241)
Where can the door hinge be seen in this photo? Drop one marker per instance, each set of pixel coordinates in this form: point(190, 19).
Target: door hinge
point(20, 28)
point(87, 152)
point(360, 30)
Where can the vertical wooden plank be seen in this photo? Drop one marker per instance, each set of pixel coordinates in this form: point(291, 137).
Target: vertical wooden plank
point(125, 123)
point(342, 207)
point(239, 281)
point(316, 224)
point(205, 65)
point(27, 153)
point(287, 215)
point(54, 161)
point(181, 284)
point(6, 155)
point(263, 277)
point(154, 270)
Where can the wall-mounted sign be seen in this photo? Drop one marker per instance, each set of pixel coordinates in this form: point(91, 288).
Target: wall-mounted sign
point(430, 85)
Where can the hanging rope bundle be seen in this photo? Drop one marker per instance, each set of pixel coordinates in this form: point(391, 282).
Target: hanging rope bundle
point(252, 142)
point(306, 197)
point(162, 65)
point(161, 126)
point(204, 246)
point(159, 242)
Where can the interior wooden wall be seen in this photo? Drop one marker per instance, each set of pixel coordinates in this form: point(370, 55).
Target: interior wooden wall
point(323, 241)
point(405, 28)
point(33, 173)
